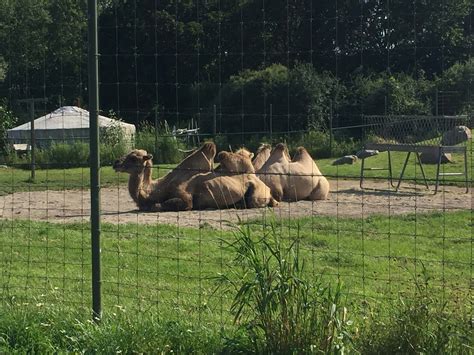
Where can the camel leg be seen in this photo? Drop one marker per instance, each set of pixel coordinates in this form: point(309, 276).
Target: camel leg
point(277, 193)
point(145, 205)
point(252, 200)
point(184, 202)
point(321, 191)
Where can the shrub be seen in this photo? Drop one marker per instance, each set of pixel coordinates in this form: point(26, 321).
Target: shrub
point(278, 307)
point(7, 121)
point(63, 155)
point(397, 94)
point(458, 78)
point(164, 146)
point(310, 98)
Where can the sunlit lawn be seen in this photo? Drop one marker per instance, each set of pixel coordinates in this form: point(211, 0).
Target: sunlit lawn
point(170, 269)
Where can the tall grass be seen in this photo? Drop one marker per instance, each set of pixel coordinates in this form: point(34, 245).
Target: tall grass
point(280, 308)
point(279, 305)
point(417, 324)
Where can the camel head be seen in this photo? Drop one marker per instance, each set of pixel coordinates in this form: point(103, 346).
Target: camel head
point(201, 160)
point(134, 162)
point(234, 162)
point(245, 152)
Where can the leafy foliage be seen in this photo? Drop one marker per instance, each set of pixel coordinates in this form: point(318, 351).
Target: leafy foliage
point(398, 94)
point(7, 121)
point(459, 80)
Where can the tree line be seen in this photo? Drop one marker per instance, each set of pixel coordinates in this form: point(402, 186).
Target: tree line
point(302, 60)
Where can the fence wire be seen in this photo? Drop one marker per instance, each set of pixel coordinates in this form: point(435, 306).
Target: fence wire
point(240, 74)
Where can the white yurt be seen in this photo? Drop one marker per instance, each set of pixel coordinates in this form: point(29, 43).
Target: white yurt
point(67, 124)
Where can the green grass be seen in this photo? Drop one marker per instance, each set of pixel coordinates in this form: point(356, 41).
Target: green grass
point(168, 274)
point(412, 172)
point(165, 266)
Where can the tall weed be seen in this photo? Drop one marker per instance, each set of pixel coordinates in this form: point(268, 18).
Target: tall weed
point(280, 308)
point(417, 324)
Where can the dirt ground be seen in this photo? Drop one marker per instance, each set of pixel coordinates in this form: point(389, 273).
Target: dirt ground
point(346, 199)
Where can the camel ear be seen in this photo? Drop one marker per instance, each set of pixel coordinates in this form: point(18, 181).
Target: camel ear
point(147, 157)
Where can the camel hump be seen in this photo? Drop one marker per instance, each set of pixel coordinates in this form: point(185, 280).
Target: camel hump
point(245, 152)
point(235, 163)
point(209, 147)
point(280, 146)
point(264, 146)
point(301, 153)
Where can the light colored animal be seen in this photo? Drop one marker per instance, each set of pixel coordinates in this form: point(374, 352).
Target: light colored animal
point(263, 153)
point(234, 185)
point(147, 193)
point(245, 152)
point(293, 179)
point(138, 163)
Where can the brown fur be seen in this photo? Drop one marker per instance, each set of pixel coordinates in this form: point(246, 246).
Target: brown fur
point(138, 164)
point(226, 188)
point(147, 193)
point(245, 152)
point(296, 179)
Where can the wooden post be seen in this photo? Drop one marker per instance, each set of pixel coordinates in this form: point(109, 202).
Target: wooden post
point(31, 111)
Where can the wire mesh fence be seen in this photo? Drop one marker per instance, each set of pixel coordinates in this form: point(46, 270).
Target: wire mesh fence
point(182, 82)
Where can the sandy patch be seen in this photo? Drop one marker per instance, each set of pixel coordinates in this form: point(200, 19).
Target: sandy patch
point(346, 200)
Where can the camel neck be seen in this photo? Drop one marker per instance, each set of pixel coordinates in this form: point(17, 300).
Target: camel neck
point(260, 160)
point(135, 185)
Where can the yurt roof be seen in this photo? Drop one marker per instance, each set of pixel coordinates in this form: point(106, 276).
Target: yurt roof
point(69, 117)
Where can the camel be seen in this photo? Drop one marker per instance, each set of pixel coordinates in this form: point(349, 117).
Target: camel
point(263, 153)
point(192, 184)
point(234, 185)
point(233, 166)
point(245, 152)
point(147, 193)
point(138, 163)
point(293, 180)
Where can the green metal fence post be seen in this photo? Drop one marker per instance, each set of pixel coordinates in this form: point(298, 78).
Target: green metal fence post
point(93, 57)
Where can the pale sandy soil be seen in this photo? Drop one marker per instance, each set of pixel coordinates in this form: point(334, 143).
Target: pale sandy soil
point(346, 199)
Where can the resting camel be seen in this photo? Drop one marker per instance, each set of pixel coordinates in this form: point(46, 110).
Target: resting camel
point(233, 185)
point(263, 153)
point(147, 193)
point(293, 180)
point(241, 169)
point(185, 187)
point(138, 163)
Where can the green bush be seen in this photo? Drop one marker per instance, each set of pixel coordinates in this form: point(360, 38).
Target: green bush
point(162, 144)
point(459, 79)
point(310, 94)
point(397, 94)
point(278, 306)
point(7, 121)
point(63, 155)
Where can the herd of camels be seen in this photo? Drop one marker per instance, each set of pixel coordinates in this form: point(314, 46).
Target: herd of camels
point(238, 182)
